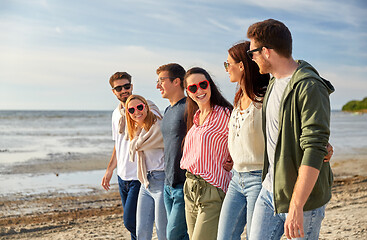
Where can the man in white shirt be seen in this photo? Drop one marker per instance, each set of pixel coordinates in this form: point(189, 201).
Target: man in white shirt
point(129, 184)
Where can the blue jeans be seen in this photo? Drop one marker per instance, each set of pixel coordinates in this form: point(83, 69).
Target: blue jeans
point(239, 204)
point(175, 208)
point(129, 191)
point(151, 208)
point(267, 225)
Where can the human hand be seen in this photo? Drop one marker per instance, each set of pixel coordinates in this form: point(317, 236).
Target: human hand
point(228, 165)
point(330, 152)
point(106, 181)
point(293, 226)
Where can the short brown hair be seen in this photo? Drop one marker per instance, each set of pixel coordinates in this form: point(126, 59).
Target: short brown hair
point(174, 70)
point(272, 34)
point(118, 76)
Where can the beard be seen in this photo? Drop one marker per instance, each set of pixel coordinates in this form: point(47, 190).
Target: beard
point(123, 97)
point(264, 66)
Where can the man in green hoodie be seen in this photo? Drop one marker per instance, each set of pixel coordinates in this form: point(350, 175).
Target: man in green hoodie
point(296, 119)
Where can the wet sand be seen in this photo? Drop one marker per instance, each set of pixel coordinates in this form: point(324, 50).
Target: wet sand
point(98, 214)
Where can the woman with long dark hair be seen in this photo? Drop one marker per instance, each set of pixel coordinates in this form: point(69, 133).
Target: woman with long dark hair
point(245, 143)
point(205, 154)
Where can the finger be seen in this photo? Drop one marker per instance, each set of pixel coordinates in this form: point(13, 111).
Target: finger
point(302, 233)
point(286, 231)
point(292, 231)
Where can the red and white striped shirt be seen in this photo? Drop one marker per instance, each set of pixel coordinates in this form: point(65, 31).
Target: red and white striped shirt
point(206, 148)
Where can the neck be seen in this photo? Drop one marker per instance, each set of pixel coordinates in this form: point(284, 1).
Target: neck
point(205, 108)
point(245, 100)
point(285, 67)
point(177, 97)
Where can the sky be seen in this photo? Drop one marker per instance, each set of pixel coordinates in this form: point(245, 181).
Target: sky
point(59, 55)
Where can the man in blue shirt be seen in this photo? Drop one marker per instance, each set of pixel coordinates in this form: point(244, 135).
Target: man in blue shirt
point(170, 83)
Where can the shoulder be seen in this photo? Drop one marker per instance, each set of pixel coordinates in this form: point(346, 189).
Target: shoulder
point(222, 111)
point(116, 113)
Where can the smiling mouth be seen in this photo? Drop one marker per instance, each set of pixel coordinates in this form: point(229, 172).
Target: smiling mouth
point(201, 96)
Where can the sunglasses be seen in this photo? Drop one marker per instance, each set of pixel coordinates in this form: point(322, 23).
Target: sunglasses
point(126, 86)
point(139, 107)
point(250, 53)
point(227, 64)
point(193, 88)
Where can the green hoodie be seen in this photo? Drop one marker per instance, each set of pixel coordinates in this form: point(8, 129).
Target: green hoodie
point(304, 120)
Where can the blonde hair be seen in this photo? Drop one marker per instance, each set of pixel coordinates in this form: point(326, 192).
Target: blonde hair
point(149, 120)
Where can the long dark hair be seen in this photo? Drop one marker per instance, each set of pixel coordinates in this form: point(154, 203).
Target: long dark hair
point(216, 97)
point(252, 81)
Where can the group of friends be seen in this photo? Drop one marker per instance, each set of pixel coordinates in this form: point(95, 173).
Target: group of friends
point(207, 168)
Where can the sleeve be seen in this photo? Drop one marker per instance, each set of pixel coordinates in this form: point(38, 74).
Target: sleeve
point(314, 105)
point(114, 126)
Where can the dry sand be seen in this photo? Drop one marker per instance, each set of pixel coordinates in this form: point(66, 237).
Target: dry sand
point(98, 215)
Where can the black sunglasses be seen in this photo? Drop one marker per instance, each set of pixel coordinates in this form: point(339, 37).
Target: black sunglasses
point(139, 107)
point(126, 86)
point(250, 53)
point(193, 88)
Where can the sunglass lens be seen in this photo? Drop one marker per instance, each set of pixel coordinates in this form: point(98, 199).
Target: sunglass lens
point(192, 88)
point(118, 88)
point(140, 107)
point(131, 110)
point(203, 85)
point(127, 86)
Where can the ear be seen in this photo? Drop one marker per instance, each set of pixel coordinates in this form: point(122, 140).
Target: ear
point(242, 67)
point(266, 51)
point(177, 81)
point(132, 88)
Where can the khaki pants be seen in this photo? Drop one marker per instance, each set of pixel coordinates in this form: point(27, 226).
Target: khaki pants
point(203, 202)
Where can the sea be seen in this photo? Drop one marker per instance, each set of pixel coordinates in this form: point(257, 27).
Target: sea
point(29, 137)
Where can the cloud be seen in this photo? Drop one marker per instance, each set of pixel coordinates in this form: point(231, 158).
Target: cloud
point(322, 10)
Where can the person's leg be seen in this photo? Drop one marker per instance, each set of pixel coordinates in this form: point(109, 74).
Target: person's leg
point(156, 189)
point(127, 216)
point(191, 209)
point(123, 191)
point(176, 226)
point(210, 203)
point(168, 200)
point(312, 223)
point(232, 218)
point(131, 206)
point(252, 183)
point(145, 215)
point(265, 223)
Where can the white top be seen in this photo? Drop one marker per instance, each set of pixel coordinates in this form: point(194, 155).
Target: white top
point(154, 160)
point(245, 139)
point(126, 170)
point(272, 126)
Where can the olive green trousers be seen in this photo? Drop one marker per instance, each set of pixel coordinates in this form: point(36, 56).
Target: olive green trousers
point(203, 203)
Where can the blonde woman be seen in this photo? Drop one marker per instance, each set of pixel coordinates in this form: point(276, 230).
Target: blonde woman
point(146, 146)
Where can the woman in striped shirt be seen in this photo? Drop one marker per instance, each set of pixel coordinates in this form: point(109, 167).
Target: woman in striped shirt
point(205, 154)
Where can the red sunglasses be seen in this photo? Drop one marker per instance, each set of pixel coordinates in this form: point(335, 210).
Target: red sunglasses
point(139, 107)
point(193, 88)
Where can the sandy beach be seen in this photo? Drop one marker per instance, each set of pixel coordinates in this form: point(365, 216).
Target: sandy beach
point(98, 214)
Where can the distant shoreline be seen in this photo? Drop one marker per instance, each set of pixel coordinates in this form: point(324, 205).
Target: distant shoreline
point(362, 111)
